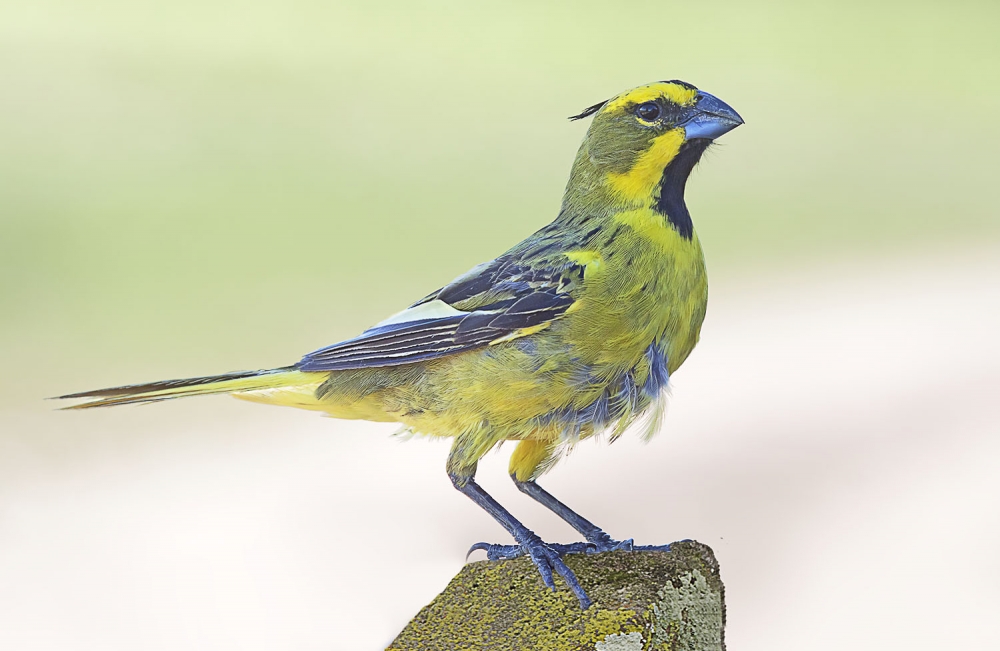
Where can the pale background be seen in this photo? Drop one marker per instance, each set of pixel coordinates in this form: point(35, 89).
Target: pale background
point(195, 187)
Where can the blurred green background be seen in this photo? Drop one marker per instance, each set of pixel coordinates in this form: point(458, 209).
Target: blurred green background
point(192, 187)
point(189, 188)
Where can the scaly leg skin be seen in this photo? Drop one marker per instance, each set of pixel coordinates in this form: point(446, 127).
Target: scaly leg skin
point(545, 557)
point(597, 539)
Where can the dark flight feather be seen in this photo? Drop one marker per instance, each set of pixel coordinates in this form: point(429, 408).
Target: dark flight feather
point(132, 389)
point(498, 299)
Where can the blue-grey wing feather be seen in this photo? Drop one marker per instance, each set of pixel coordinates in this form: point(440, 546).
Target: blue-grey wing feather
point(496, 299)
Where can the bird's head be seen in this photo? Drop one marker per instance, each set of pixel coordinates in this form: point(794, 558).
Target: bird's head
point(643, 139)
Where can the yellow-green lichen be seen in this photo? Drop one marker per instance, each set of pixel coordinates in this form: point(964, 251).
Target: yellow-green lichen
point(504, 605)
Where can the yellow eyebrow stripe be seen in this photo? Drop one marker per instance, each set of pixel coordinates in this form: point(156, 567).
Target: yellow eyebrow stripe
point(674, 92)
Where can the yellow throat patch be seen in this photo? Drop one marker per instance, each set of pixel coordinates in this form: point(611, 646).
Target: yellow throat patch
point(641, 181)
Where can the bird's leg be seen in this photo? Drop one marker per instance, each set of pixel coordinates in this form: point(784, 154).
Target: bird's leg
point(594, 535)
point(598, 540)
point(531, 457)
point(545, 557)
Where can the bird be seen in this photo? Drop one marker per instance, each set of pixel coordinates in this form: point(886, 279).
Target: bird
point(570, 334)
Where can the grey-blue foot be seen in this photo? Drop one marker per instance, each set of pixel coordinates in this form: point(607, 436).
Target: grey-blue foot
point(496, 552)
point(547, 558)
point(602, 542)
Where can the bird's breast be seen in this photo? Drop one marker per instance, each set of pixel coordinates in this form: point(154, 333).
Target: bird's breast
point(648, 287)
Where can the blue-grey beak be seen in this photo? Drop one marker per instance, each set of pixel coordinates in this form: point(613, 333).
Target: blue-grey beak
point(710, 118)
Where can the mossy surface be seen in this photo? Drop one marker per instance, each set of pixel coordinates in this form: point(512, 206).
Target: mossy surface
point(642, 600)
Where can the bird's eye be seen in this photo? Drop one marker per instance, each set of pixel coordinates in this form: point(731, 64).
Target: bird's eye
point(648, 111)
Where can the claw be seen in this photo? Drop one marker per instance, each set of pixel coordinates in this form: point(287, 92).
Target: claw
point(496, 552)
point(547, 559)
point(479, 545)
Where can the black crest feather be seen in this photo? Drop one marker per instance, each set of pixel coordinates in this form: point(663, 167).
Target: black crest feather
point(590, 110)
point(683, 84)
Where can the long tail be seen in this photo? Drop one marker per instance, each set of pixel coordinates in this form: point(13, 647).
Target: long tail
point(237, 382)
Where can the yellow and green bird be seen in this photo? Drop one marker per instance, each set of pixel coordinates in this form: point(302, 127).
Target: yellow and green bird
point(572, 333)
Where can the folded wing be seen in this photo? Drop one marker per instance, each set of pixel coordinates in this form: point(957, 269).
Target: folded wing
point(497, 301)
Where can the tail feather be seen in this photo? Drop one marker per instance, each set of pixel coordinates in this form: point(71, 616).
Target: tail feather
point(236, 382)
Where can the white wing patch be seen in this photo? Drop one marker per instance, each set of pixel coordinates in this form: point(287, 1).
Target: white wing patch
point(436, 309)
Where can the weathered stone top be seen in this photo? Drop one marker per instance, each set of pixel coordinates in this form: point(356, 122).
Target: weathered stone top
point(642, 601)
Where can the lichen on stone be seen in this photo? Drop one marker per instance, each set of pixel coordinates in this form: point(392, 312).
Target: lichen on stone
point(661, 599)
point(621, 642)
point(688, 615)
